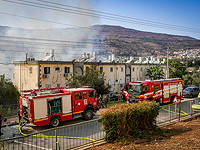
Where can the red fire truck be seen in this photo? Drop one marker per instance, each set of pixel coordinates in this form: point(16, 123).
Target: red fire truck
point(51, 106)
point(162, 91)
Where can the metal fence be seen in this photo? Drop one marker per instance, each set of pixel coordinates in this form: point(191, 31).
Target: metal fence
point(66, 137)
point(175, 111)
point(75, 135)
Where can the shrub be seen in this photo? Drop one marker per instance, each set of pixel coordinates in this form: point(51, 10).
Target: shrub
point(125, 121)
point(9, 110)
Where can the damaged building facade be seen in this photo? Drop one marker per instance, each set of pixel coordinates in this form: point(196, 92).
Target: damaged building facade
point(49, 73)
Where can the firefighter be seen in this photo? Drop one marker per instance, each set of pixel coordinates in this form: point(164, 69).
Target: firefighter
point(100, 101)
point(18, 113)
point(126, 96)
point(1, 119)
point(106, 100)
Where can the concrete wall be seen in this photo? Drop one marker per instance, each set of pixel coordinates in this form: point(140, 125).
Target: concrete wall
point(26, 76)
point(121, 73)
point(56, 78)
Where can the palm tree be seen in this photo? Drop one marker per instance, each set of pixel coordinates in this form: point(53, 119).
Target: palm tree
point(155, 73)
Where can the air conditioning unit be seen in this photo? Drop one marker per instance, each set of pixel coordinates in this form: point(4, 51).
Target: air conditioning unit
point(66, 74)
point(45, 76)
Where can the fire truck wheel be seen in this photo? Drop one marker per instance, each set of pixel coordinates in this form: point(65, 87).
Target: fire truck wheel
point(88, 115)
point(55, 122)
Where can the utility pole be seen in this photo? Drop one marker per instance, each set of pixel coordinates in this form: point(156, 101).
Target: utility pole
point(167, 74)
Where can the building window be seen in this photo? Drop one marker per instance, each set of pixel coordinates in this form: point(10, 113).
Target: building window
point(116, 80)
point(122, 69)
point(101, 69)
point(57, 68)
point(67, 69)
point(116, 68)
point(137, 68)
point(111, 69)
point(133, 69)
point(31, 70)
point(141, 68)
point(58, 85)
point(48, 85)
point(46, 70)
point(133, 79)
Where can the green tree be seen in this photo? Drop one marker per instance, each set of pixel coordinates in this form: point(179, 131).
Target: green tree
point(155, 73)
point(177, 69)
point(192, 78)
point(91, 77)
point(187, 80)
point(8, 93)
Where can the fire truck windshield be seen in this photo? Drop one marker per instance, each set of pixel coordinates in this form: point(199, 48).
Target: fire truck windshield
point(135, 89)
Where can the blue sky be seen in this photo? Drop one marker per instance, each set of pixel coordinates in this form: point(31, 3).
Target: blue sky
point(184, 13)
point(175, 12)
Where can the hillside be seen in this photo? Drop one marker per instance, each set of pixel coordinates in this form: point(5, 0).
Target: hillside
point(116, 39)
point(125, 41)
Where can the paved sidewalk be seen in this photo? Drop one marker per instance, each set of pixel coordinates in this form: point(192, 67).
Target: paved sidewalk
point(10, 128)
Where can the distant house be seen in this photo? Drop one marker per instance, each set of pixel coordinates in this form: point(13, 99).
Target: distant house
point(191, 69)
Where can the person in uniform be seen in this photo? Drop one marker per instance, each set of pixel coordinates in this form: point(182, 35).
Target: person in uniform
point(106, 100)
point(1, 119)
point(100, 101)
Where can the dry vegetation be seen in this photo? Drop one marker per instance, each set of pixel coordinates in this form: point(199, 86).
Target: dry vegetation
point(181, 135)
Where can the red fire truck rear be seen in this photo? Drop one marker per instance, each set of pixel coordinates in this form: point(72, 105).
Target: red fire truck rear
point(51, 106)
point(162, 91)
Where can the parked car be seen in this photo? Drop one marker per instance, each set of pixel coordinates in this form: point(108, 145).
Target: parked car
point(196, 105)
point(191, 92)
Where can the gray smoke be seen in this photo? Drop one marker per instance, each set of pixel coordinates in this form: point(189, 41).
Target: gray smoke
point(38, 48)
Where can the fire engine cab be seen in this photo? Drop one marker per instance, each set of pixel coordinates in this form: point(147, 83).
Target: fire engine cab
point(162, 91)
point(51, 106)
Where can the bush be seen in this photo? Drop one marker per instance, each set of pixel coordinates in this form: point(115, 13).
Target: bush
point(124, 121)
point(9, 110)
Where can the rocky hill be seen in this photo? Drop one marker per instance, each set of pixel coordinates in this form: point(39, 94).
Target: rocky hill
point(125, 41)
point(116, 39)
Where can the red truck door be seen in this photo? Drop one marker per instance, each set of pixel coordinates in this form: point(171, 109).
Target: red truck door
point(78, 102)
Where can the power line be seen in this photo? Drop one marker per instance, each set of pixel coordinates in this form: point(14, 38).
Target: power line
point(36, 46)
point(6, 63)
point(141, 22)
point(47, 40)
point(115, 14)
point(61, 53)
point(104, 16)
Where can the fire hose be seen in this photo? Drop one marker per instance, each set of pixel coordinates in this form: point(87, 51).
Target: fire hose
point(68, 137)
